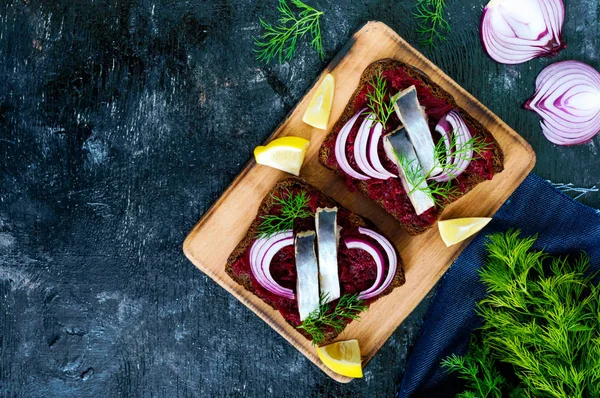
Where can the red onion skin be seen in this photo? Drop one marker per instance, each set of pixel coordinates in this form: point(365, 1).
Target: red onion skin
point(550, 49)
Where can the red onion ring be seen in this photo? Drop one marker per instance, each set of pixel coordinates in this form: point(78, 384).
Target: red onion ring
point(567, 98)
point(454, 123)
point(361, 152)
point(515, 31)
point(443, 128)
point(374, 152)
point(376, 254)
point(392, 262)
point(261, 254)
point(340, 148)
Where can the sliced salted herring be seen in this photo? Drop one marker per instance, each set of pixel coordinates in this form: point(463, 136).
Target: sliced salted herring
point(327, 239)
point(412, 116)
point(399, 143)
point(307, 282)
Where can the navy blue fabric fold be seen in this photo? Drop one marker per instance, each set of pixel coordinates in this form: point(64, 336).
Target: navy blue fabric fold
point(563, 226)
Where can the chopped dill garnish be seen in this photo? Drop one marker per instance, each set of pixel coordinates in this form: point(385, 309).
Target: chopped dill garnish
point(348, 308)
point(441, 193)
point(381, 107)
point(293, 206)
point(279, 40)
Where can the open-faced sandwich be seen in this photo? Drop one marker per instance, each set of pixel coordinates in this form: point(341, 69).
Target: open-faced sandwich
point(405, 143)
point(314, 261)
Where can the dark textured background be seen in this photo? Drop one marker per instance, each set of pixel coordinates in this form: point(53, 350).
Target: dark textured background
point(120, 124)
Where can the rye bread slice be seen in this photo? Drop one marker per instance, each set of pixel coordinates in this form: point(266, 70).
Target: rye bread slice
point(389, 64)
point(323, 201)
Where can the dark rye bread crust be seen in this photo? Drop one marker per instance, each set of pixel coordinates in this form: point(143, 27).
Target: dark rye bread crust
point(389, 64)
point(324, 201)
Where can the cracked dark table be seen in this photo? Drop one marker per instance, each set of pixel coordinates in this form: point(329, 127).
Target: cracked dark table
point(121, 122)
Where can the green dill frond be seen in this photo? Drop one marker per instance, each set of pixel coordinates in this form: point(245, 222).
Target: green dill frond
point(347, 308)
point(541, 321)
point(467, 152)
point(279, 40)
point(478, 369)
point(431, 21)
point(380, 102)
point(292, 207)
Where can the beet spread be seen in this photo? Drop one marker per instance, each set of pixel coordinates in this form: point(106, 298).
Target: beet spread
point(391, 192)
point(357, 269)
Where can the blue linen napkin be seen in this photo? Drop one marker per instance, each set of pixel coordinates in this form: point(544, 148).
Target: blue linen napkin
point(563, 226)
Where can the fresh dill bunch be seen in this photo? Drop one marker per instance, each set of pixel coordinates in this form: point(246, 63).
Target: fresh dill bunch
point(379, 102)
point(293, 206)
point(279, 40)
point(541, 320)
point(432, 23)
point(348, 307)
point(478, 369)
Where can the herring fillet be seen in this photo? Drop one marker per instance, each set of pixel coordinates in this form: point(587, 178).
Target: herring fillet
point(327, 239)
point(307, 282)
point(411, 115)
point(399, 143)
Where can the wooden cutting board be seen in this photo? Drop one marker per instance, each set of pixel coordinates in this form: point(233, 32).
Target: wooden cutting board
point(426, 258)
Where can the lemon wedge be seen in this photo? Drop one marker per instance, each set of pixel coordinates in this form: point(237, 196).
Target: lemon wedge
point(319, 108)
point(342, 357)
point(459, 229)
point(286, 153)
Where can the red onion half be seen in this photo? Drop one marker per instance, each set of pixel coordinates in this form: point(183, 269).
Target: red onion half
point(515, 31)
point(567, 98)
point(453, 123)
point(378, 287)
point(261, 254)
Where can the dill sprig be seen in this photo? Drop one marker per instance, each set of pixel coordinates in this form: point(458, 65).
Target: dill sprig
point(479, 370)
point(433, 25)
point(279, 40)
point(293, 206)
point(541, 324)
point(441, 193)
point(348, 308)
point(458, 151)
point(380, 102)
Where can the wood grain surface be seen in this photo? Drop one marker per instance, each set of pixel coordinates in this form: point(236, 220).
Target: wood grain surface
point(426, 257)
